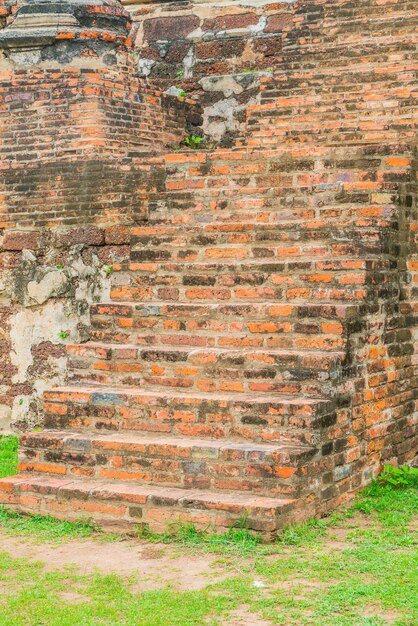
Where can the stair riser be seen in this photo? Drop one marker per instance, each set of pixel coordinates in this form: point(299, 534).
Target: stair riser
point(284, 339)
point(314, 292)
point(249, 326)
point(286, 326)
point(332, 231)
point(130, 511)
point(207, 371)
point(277, 280)
point(298, 423)
point(261, 473)
point(285, 253)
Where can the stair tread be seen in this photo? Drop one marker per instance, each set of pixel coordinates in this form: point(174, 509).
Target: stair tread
point(118, 489)
point(334, 304)
point(192, 349)
point(173, 440)
point(152, 303)
point(216, 226)
point(173, 394)
point(247, 262)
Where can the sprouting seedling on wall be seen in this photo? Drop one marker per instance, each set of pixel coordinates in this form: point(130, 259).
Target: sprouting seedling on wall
point(193, 141)
point(180, 74)
point(21, 401)
point(63, 334)
point(60, 266)
point(108, 270)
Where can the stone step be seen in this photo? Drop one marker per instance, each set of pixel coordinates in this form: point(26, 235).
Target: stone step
point(206, 369)
point(249, 417)
point(192, 463)
point(252, 325)
point(121, 505)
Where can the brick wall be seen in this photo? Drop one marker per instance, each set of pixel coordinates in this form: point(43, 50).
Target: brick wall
point(296, 220)
point(92, 130)
point(203, 39)
point(347, 75)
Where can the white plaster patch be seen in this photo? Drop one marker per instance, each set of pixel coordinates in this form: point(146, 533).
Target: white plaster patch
point(228, 85)
point(145, 66)
point(188, 63)
point(5, 415)
point(220, 117)
point(53, 284)
point(30, 327)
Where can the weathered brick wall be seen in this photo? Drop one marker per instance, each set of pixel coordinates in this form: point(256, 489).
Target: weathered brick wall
point(292, 69)
point(347, 75)
point(216, 52)
point(311, 209)
point(207, 38)
point(92, 128)
point(75, 140)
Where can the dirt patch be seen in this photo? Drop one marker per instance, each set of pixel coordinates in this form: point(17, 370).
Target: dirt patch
point(389, 616)
point(153, 566)
point(72, 597)
point(240, 617)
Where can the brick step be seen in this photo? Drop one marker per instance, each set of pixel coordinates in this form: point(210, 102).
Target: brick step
point(289, 91)
point(242, 281)
point(254, 208)
point(205, 242)
point(359, 36)
point(302, 120)
point(349, 63)
point(383, 80)
point(314, 291)
point(190, 463)
point(309, 128)
point(252, 325)
point(294, 279)
point(120, 505)
point(297, 420)
point(228, 247)
point(206, 369)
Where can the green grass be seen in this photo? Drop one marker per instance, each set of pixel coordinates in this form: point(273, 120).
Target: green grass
point(8, 455)
point(44, 527)
point(359, 567)
point(41, 527)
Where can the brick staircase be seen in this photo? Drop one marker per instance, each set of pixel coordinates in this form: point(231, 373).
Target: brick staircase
point(247, 363)
point(217, 386)
point(210, 386)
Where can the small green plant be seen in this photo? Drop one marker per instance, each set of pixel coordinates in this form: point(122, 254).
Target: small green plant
point(63, 334)
point(21, 401)
point(108, 270)
point(193, 141)
point(182, 94)
point(180, 74)
point(60, 266)
point(399, 477)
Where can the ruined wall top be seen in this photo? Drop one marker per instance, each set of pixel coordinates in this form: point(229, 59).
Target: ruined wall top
point(42, 30)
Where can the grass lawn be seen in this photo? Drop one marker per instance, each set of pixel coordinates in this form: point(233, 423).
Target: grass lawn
point(357, 567)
